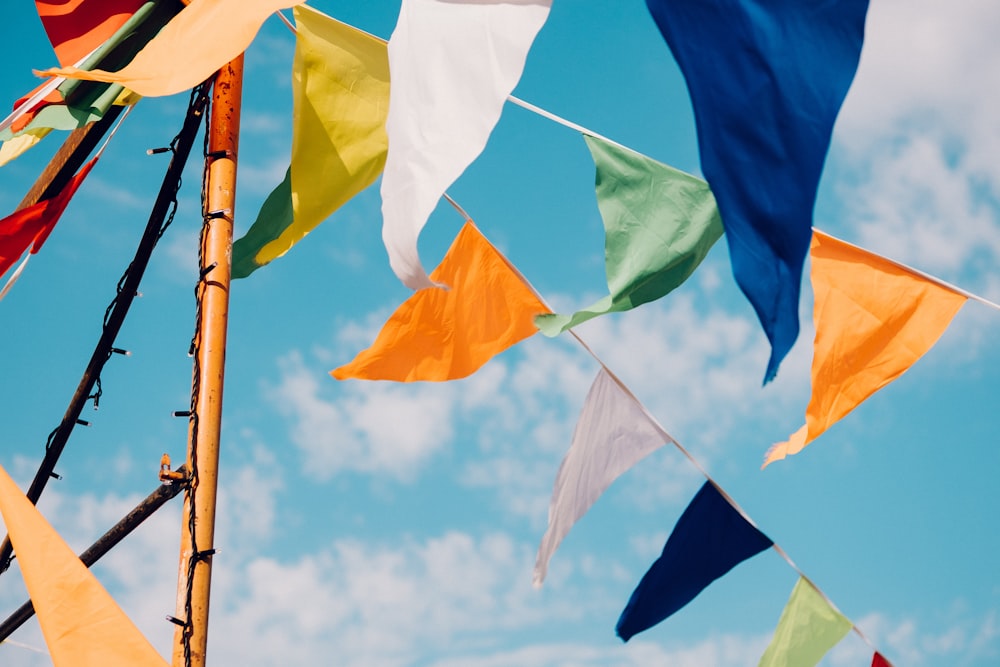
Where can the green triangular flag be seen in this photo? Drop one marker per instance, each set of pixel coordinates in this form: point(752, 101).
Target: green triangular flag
point(659, 224)
point(808, 628)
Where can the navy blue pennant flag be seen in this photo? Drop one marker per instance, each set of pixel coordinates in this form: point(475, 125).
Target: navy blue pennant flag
point(766, 78)
point(710, 539)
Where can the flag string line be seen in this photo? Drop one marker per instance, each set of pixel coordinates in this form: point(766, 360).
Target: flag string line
point(917, 272)
point(583, 130)
point(14, 276)
point(24, 646)
point(111, 134)
point(667, 437)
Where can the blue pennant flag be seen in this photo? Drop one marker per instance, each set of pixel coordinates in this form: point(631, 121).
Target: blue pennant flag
point(767, 78)
point(710, 539)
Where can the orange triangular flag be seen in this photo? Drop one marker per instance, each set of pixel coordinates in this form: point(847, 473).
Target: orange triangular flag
point(873, 319)
point(199, 40)
point(445, 334)
point(82, 625)
point(77, 27)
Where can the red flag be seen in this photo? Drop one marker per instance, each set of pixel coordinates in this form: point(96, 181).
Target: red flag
point(31, 226)
point(879, 661)
point(77, 27)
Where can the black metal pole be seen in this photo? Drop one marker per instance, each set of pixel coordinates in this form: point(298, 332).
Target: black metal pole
point(115, 317)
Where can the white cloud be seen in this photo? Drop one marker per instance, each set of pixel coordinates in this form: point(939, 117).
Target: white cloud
point(723, 651)
point(923, 61)
point(916, 142)
point(381, 605)
point(917, 208)
point(362, 426)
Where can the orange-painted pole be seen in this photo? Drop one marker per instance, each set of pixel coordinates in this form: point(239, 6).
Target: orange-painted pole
point(198, 532)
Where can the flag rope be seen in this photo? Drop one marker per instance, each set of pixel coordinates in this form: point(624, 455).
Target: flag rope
point(918, 272)
point(669, 438)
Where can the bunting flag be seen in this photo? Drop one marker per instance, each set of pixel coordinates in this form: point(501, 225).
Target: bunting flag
point(659, 224)
point(453, 64)
point(31, 226)
point(340, 84)
point(84, 106)
point(28, 105)
point(77, 27)
point(21, 144)
point(766, 83)
point(612, 435)
point(447, 334)
point(874, 319)
point(879, 661)
point(66, 104)
point(710, 539)
point(82, 625)
point(809, 627)
point(199, 40)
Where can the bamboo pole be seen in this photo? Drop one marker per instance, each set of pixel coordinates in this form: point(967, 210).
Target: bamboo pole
point(198, 533)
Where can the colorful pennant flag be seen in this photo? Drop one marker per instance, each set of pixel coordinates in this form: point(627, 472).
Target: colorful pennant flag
point(31, 226)
point(809, 627)
point(83, 106)
point(766, 82)
point(203, 37)
point(659, 224)
point(711, 538)
point(879, 661)
point(27, 106)
point(447, 334)
point(21, 144)
point(453, 63)
point(77, 27)
point(66, 104)
point(82, 625)
point(874, 319)
point(612, 435)
point(340, 85)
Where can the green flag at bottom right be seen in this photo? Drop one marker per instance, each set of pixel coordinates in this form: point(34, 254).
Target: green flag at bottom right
point(808, 628)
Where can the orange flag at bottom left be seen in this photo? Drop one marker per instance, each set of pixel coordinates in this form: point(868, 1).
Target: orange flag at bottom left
point(82, 625)
point(874, 319)
point(449, 333)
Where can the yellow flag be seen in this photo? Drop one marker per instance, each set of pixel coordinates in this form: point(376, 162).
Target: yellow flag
point(341, 91)
point(203, 37)
point(445, 334)
point(17, 146)
point(82, 625)
point(873, 319)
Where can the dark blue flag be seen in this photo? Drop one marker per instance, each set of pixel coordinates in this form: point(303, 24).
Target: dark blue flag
point(767, 78)
point(710, 539)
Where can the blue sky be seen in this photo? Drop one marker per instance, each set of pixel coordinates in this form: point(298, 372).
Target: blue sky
point(383, 525)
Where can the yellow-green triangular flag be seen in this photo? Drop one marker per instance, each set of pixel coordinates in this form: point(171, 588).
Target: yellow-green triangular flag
point(808, 628)
point(340, 81)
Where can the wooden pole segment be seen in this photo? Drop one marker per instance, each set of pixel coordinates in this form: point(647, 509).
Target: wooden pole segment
point(198, 532)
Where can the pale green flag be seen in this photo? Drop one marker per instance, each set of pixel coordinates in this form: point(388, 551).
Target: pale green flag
point(659, 224)
point(808, 628)
point(340, 89)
